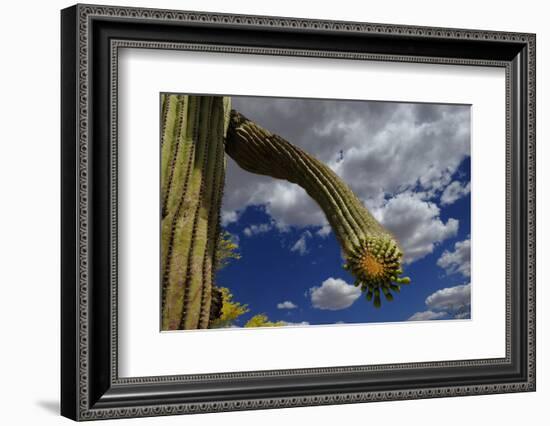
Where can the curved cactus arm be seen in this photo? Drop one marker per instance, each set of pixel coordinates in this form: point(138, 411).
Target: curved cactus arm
point(192, 179)
point(373, 254)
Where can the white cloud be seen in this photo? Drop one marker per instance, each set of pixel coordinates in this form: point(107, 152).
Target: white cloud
point(286, 203)
point(287, 304)
point(426, 315)
point(301, 245)
point(404, 152)
point(454, 191)
point(416, 224)
point(457, 261)
point(324, 231)
point(334, 294)
point(462, 315)
point(228, 217)
point(262, 228)
point(450, 299)
point(434, 179)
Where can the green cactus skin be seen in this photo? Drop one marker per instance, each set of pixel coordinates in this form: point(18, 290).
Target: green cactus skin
point(192, 180)
point(373, 254)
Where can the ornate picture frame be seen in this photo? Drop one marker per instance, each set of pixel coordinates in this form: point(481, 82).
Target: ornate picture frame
point(91, 38)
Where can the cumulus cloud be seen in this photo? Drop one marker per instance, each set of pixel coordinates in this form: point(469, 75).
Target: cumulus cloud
point(454, 191)
point(300, 246)
point(261, 228)
point(287, 304)
point(426, 315)
point(228, 217)
point(334, 294)
point(450, 299)
point(416, 224)
point(324, 231)
point(405, 149)
point(457, 261)
point(286, 203)
point(462, 315)
point(381, 149)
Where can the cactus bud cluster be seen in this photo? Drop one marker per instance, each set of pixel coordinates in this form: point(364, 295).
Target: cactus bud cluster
point(376, 264)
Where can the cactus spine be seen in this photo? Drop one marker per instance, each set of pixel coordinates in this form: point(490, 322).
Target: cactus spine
point(373, 255)
point(192, 180)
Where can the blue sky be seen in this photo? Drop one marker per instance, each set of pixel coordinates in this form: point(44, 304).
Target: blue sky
point(409, 164)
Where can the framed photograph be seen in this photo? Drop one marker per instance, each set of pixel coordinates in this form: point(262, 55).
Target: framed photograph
point(263, 212)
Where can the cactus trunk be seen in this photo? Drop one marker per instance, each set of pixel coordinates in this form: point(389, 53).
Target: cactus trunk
point(192, 179)
point(373, 254)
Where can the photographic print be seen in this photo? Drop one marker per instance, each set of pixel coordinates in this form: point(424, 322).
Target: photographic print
point(338, 198)
point(300, 212)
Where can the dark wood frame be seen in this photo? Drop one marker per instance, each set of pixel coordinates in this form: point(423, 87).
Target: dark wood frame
point(90, 386)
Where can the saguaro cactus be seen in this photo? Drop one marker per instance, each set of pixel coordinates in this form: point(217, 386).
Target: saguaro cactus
point(192, 180)
point(373, 254)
